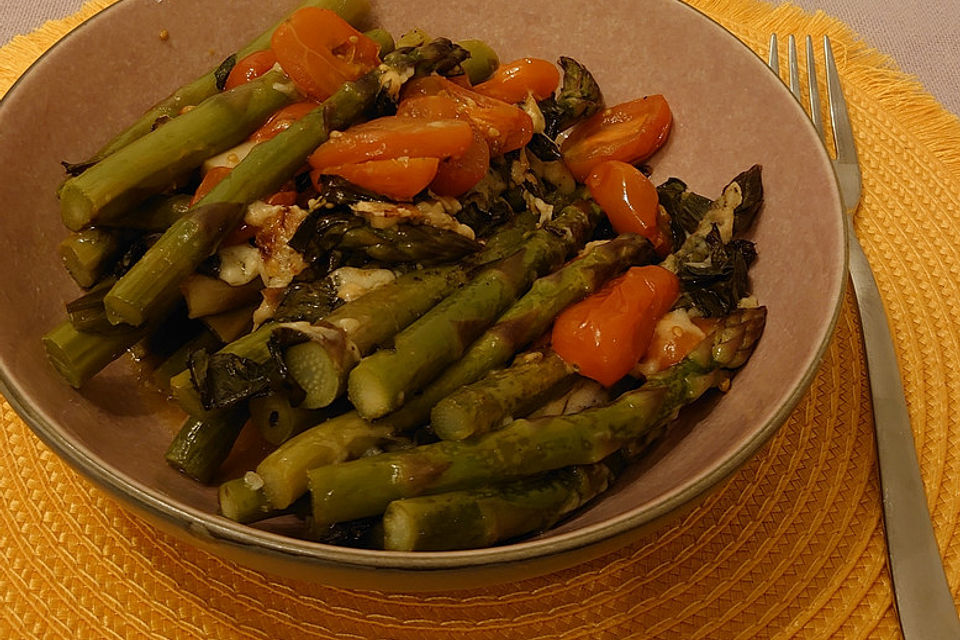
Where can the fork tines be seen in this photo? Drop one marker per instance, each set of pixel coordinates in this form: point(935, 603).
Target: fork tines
point(846, 153)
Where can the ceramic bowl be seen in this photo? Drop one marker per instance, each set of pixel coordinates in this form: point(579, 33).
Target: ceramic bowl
point(730, 112)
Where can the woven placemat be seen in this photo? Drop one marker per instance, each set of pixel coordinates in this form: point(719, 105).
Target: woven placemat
point(790, 546)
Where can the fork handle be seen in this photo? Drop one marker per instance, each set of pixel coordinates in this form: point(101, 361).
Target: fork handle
point(924, 602)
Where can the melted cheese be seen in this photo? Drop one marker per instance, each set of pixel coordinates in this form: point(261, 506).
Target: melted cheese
point(352, 282)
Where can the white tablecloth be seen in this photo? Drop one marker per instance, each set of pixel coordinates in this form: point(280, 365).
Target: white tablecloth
point(920, 35)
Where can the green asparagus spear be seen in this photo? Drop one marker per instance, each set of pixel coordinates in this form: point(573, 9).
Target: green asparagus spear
point(87, 254)
point(78, 356)
point(354, 329)
point(284, 471)
point(365, 487)
point(321, 367)
point(502, 394)
point(177, 361)
point(107, 190)
point(353, 11)
point(202, 444)
point(206, 296)
point(156, 213)
point(380, 382)
point(482, 517)
point(230, 325)
point(252, 346)
point(242, 500)
point(483, 60)
point(383, 38)
point(153, 282)
point(278, 420)
point(268, 165)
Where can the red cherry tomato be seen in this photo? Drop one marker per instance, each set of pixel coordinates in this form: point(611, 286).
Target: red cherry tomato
point(630, 132)
point(320, 51)
point(511, 82)
point(606, 334)
point(250, 68)
point(282, 119)
point(457, 174)
point(630, 201)
point(504, 126)
point(393, 137)
point(212, 178)
point(396, 178)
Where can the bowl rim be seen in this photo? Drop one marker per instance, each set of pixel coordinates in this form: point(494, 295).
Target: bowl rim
point(211, 526)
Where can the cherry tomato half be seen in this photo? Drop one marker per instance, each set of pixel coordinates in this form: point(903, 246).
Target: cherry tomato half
point(320, 51)
point(511, 82)
point(250, 68)
point(396, 178)
point(630, 132)
point(630, 201)
point(606, 334)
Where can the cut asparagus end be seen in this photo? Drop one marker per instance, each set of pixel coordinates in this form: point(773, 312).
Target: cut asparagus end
point(284, 472)
point(186, 395)
point(372, 396)
point(203, 444)
point(320, 368)
point(78, 356)
point(243, 500)
point(76, 209)
point(278, 421)
point(86, 254)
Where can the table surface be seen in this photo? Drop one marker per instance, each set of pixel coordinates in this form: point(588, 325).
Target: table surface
point(920, 35)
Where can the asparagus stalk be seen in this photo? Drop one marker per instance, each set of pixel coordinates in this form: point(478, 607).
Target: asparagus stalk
point(78, 355)
point(366, 487)
point(90, 253)
point(156, 213)
point(268, 165)
point(357, 327)
point(193, 93)
point(107, 190)
point(177, 361)
point(206, 296)
point(482, 517)
point(284, 471)
point(230, 325)
point(380, 382)
point(87, 254)
point(484, 405)
point(278, 420)
point(153, 282)
point(242, 500)
point(202, 444)
point(253, 346)
point(284, 474)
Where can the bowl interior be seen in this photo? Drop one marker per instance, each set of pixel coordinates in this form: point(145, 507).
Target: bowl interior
point(730, 112)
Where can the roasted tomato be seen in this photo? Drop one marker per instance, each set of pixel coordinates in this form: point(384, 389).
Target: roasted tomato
point(630, 132)
point(630, 201)
point(249, 68)
point(606, 334)
point(511, 82)
point(503, 126)
point(282, 119)
point(396, 178)
point(393, 137)
point(320, 51)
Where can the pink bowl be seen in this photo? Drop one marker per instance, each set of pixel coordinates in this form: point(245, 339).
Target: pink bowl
point(730, 112)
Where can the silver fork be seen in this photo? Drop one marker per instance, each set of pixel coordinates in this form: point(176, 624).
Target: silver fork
point(924, 603)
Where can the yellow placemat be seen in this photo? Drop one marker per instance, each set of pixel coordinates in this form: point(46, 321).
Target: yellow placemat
point(791, 546)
